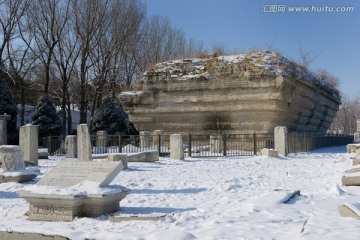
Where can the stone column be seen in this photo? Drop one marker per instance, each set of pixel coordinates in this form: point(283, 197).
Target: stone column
point(216, 144)
point(83, 143)
point(145, 139)
point(176, 147)
point(71, 146)
point(358, 128)
point(101, 141)
point(29, 140)
point(3, 129)
point(156, 134)
point(280, 138)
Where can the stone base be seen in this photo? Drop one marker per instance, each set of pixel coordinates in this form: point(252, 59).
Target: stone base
point(350, 180)
point(269, 152)
point(45, 207)
point(18, 179)
point(149, 156)
point(345, 211)
point(355, 161)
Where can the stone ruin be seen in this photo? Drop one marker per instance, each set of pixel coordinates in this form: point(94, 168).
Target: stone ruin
point(53, 199)
point(351, 177)
point(246, 93)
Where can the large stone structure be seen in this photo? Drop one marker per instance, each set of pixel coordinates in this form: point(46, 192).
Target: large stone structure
point(3, 129)
point(246, 93)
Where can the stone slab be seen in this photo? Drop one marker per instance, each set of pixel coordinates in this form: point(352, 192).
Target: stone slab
point(355, 161)
point(149, 156)
point(269, 152)
point(176, 147)
point(18, 179)
point(280, 139)
point(351, 148)
point(135, 218)
point(118, 157)
point(11, 235)
point(346, 211)
point(68, 173)
point(83, 143)
point(351, 179)
point(46, 207)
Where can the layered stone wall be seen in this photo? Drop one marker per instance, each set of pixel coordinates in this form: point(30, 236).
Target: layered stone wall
point(216, 95)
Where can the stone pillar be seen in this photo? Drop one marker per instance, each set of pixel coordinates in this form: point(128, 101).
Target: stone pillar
point(280, 138)
point(3, 129)
point(83, 143)
point(71, 146)
point(101, 141)
point(358, 128)
point(216, 144)
point(145, 139)
point(29, 142)
point(176, 147)
point(156, 134)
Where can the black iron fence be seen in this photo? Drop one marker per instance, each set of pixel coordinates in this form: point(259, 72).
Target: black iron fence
point(130, 144)
point(207, 145)
point(303, 142)
point(54, 144)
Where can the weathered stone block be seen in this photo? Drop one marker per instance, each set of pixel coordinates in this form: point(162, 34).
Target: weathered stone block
point(148, 156)
point(28, 140)
point(352, 148)
point(355, 161)
point(216, 144)
point(3, 129)
point(351, 179)
point(68, 173)
point(83, 143)
point(280, 140)
point(269, 152)
point(11, 157)
point(119, 157)
point(145, 139)
point(176, 147)
point(71, 146)
point(349, 210)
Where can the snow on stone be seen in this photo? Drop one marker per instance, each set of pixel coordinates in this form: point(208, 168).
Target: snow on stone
point(213, 198)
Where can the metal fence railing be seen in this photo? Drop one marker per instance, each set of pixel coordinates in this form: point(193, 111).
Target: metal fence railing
point(207, 145)
point(131, 144)
point(54, 144)
point(303, 142)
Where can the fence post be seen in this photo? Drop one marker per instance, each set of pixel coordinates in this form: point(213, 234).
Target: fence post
point(254, 143)
point(159, 144)
point(189, 145)
point(120, 143)
point(224, 144)
point(280, 137)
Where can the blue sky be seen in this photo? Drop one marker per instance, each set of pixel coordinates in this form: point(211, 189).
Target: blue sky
point(242, 25)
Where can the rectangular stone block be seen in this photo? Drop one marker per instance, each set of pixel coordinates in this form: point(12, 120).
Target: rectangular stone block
point(280, 139)
point(355, 161)
point(269, 152)
point(28, 139)
point(83, 143)
point(3, 129)
point(69, 173)
point(71, 146)
point(176, 147)
point(11, 158)
point(119, 157)
point(351, 179)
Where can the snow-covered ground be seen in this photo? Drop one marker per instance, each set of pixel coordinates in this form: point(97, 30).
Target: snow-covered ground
point(214, 198)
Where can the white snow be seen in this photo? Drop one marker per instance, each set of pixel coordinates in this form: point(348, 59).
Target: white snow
point(213, 198)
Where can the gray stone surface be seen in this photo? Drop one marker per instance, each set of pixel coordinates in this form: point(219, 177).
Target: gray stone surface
point(176, 147)
point(11, 157)
point(68, 173)
point(28, 139)
point(351, 179)
point(11, 235)
point(352, 148)
point(43, 155)
point(148, 156)
point(45, 207)
point(280, 139)
point(3, 129)
point(18, 178)
point(101, 141)
point(156, 134)
point(83, 143)
point(145, 139)
point(71, 146)
point(345, 211)
point(119, 157)
point(269, 152)
point(356, 161)
point(216, 144)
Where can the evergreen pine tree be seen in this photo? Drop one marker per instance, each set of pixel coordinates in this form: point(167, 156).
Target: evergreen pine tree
point(112, 119)
point(47, 118)
point(7, 106)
